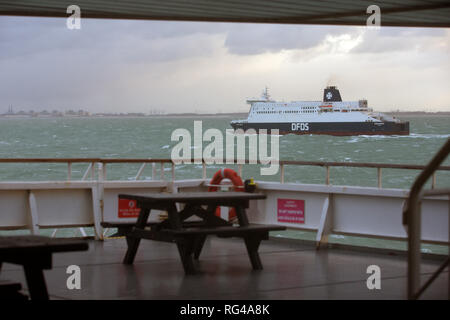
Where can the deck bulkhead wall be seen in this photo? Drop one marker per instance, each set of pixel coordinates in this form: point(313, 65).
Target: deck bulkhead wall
point(329, 209)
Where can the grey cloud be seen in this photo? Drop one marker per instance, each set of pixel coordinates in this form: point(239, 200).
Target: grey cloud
point(21, 37)
point(409, 32)
point(136, 41)
point(41, 60)
point(246, 39)
point(389, 39)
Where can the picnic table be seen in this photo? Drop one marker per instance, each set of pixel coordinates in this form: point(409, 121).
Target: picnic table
point(34, 253)
point(190, 236)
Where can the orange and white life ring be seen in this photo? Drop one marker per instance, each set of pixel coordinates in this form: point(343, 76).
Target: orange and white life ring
point(229, 174)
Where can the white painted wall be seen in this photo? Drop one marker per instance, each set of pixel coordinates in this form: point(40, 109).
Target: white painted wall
point(352, 210)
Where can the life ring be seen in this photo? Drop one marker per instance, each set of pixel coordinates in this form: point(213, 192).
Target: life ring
point(230, 174)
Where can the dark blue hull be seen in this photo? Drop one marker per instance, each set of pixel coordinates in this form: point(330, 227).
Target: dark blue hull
point(330, 128)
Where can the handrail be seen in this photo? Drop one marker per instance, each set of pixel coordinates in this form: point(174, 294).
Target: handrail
point(359, 164)
point(80, 160)
point(238, 161)
point(204, 161)
point(438, 192)
point(411, 219)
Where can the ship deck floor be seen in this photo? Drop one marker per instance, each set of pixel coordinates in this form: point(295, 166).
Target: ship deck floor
point(291, 271)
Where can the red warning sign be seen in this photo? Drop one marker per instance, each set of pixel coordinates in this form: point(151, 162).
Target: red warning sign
point(128, 208)
point(291, 210)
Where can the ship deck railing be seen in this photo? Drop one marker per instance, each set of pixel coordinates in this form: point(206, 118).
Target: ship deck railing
point(412, 221)
point(90, 171)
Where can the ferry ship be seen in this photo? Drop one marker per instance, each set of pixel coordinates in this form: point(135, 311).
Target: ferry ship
point(332, 116)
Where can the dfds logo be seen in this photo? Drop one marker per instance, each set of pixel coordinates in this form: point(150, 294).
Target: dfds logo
point(300, 126)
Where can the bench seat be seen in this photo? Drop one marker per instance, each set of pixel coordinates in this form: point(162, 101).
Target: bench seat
point(227, 230)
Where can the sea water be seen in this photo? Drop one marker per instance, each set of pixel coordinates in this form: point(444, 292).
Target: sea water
point(150, 137)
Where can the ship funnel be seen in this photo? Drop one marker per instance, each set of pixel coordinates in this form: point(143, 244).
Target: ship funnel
point(331, 93)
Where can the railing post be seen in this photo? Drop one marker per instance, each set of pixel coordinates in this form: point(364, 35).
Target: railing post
point(327, 178)
point(153, 171)
point(412, 219)
point(204, 170)
point(282, 173)
point(69, 171)
point(414, 258)
point(379, 177)
point(325, 224)
point(433, 183)
point(98, 193)
point(240, 170)
point(86, 173)
point(104, 171)
point(141, 169)
point(34, 228)
point(173, 172)
point(93, 170)
point(101, 171)
point(162, 170)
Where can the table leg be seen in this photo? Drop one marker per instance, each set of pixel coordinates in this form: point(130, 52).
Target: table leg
point(133, 242)
point(242, 216)
point(252, 244)
point(186, 248)
point(186, 245)
point(198, 245)
point(36, 282)
point(174, 217)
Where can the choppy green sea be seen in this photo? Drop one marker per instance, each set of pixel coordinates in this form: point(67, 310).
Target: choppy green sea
point(151, 138)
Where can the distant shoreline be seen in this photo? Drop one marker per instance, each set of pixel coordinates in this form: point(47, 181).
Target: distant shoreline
point(113, 116)
point(419, 114)
point(199, 115)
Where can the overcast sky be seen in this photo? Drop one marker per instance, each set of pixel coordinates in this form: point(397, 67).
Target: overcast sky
point(138, 66)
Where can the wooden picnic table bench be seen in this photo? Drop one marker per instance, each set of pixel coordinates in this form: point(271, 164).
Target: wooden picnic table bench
point(125, 227)
point(190, 236)
point(34, 253)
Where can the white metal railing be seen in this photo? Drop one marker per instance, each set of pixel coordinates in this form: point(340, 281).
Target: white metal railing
point(412, 220)
point(102, 164)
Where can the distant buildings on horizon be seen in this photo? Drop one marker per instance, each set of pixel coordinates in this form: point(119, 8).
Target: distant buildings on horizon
point(72, 113)
point(83, 113)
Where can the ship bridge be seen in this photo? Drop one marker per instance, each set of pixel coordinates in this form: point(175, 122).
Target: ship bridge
point(265, 97)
